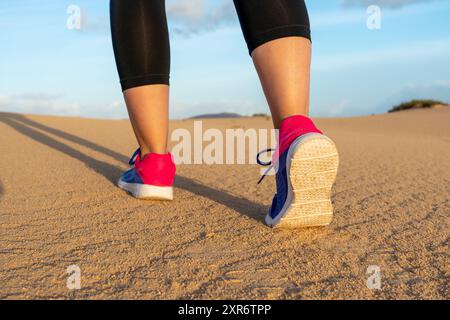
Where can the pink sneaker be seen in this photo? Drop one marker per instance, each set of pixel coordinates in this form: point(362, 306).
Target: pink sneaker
point(149, 178)
point(307, 163)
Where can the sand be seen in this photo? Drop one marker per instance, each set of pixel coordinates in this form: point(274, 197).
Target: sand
point(59, 207)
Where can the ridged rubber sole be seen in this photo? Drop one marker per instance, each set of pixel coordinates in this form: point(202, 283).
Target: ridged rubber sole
point(146, 192)
point(312, 164)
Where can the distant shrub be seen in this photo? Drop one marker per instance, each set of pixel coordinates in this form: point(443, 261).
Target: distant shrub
point(262, 115)
point(221, 115)
point(416, 104)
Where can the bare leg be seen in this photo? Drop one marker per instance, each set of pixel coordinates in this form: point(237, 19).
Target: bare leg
point(283, 66)
point(148, 110)
point(141, 46)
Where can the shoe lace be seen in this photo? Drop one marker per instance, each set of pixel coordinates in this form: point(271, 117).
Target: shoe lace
point(132, 160)
point(264, 164)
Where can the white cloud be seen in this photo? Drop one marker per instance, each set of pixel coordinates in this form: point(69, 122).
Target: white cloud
point(336, 18)
point(194, 16)
point(392, 4)
point(337, 109)
point(54, 104)
point(181, 109)
point(40, 103)
point(436, 90)
point(186, 17)
point(190, 11)
point(351, 14)
point(405, 52)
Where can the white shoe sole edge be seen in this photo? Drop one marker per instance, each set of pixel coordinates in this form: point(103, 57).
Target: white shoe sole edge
point(311, 168)
point(147, 192)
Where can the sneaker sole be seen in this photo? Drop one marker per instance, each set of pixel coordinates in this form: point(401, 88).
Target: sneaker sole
point(146, 192)
point(312, 164)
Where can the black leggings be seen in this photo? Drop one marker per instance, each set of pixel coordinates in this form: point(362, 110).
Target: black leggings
point(141, 40)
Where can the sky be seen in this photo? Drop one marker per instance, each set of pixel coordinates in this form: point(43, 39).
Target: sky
point(48, 68)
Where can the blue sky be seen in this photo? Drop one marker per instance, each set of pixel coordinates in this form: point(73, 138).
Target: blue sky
point(48, 69)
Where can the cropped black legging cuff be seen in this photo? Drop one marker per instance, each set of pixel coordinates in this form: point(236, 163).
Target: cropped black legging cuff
point(141, 38)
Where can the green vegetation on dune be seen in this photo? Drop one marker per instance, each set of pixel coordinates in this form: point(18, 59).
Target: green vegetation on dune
point(220, 115)
point(417, 104)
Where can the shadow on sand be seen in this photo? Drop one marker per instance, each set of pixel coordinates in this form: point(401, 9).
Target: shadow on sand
point(30, 128)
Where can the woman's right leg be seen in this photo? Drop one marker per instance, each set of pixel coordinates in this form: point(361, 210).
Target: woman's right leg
point(141, 46)
point(277, 34)
point(149, 115)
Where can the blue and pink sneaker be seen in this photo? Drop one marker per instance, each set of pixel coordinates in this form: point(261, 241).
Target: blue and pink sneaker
point(306, 170)
point(149, 178)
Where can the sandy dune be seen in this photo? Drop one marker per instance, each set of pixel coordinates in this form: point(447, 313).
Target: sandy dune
point(59, 207)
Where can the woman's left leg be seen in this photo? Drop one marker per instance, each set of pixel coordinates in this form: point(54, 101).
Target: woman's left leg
point(141, 46)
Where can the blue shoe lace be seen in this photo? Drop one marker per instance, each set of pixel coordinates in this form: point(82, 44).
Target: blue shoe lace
point(264, 164)
point(132, 160)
